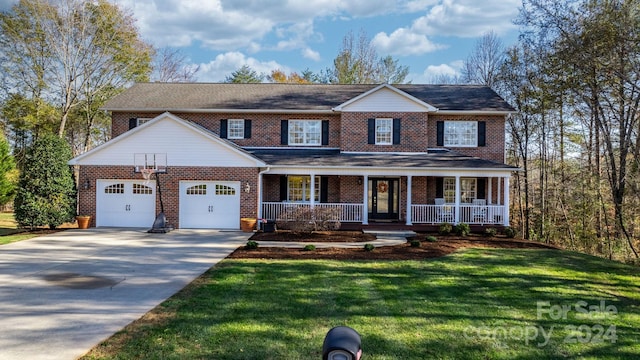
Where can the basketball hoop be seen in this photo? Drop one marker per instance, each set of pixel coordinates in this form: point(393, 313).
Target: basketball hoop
point(146, 174)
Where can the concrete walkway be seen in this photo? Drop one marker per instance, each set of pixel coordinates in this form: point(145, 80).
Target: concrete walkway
point(61, 294)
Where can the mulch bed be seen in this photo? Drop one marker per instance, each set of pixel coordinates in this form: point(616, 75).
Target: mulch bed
point(445, 245)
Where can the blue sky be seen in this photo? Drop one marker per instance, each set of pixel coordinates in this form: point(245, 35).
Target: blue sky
point(429, 36)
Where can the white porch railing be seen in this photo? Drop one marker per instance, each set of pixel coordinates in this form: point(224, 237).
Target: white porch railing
point(469, 214)
point(283, 210)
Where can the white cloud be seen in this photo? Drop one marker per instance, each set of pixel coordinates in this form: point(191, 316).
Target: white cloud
point(434, 73)
point(311, 54)
point(468, 18)
point(403, 42)
point(223, 65)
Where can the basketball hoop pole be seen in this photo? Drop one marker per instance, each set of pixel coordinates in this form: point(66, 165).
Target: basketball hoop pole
point(160, 225)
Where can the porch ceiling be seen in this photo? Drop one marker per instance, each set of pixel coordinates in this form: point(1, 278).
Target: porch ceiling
point(333, 158)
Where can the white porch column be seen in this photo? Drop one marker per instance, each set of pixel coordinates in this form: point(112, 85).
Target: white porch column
point(458, 195)
point(259, 194)
point(499, 190)
point(409, 180)
point(312, 194)
point(490, 191)
point(506, 201)
point(365, 200)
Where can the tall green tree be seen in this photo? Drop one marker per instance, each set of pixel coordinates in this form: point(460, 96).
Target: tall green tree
point(46, 190)
point(244, 75)
point(67, 52)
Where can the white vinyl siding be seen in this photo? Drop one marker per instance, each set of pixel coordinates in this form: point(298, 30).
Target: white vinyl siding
point(461, 133)
point(305, 132)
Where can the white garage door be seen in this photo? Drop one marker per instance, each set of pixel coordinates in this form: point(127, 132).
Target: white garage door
point(125, 203)
point(210, 204)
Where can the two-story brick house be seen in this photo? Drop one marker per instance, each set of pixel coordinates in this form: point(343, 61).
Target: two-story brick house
point(411, 154)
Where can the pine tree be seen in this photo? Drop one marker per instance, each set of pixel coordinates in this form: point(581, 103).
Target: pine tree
point(46, 190)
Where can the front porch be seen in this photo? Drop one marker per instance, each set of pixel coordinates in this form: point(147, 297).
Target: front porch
point(428, 214)
point(403, 200)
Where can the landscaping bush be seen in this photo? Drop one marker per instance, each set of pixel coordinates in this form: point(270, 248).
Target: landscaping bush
point(46, 190)
point(369, 247)
point(431, 238)
point(306, 219)
point(445, 229)
point(251, 245)
point(490, 232)
point(415, 243)
point(309, 247)
point(462, 229)
point(510, 232)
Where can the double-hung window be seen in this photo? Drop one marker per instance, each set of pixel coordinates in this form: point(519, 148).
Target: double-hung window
point(384, 131)
point(299, 189)
point(235, 129)
point(305, 132)
point(461, 133)
point(468, 190)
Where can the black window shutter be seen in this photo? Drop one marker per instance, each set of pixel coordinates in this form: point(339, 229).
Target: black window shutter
point(247, 129)
point(440, 133)
point(133, 122)
point(396, 131)
point(372, 131)
point(223, 128)
point(324, 189)
point(439, 187)
point(481, 188)
point(325, 132)
point(283, 188)
point(284, 132)
point(482, 133)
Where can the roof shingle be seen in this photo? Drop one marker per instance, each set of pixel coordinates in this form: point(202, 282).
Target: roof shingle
point(294, 97)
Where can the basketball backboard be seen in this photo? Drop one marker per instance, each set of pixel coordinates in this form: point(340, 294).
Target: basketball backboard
point(155, 161)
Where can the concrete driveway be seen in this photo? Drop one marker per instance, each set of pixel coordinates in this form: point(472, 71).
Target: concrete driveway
point(61, 294)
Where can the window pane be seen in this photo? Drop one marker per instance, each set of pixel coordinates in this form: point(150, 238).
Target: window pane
point(300, 188)
point(461, 133)
point(235, 128)
point(384, 129)
point(468, 190)
point(305, 132)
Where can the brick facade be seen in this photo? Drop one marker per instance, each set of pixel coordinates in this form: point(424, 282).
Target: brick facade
point(348, 131)
point(170, 186)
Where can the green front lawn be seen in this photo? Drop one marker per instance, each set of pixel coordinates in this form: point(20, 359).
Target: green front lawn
point(475, 304)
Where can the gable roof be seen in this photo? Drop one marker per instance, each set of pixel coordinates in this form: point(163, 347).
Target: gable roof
point(211, 97)
point(177, 138)
point(371, 100)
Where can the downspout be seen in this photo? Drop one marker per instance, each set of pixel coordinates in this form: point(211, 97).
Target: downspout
point(259, 194)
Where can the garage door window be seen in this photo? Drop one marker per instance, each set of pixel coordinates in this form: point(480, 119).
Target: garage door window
point(114, 189)
point(225, 190)
point(139, 189)
point(197, 190)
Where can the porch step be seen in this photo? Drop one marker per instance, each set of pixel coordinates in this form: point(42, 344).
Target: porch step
point(390, 234)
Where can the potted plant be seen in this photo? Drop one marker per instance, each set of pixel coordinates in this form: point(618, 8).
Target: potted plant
point(83, 221)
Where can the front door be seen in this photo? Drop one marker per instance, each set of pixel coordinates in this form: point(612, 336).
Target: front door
point(383, 199)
